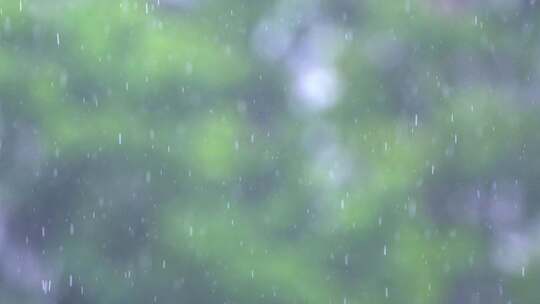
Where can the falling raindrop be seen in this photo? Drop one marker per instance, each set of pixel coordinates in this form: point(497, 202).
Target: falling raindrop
point(44, 286)
point(148, 177)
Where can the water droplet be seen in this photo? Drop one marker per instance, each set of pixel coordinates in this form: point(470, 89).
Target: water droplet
point(46, 286)
point(148, 177)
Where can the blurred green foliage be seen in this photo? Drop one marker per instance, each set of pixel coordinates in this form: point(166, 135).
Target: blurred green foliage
point(188, 178)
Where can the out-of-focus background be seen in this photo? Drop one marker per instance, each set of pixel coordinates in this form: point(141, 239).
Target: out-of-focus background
point(285, 151)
